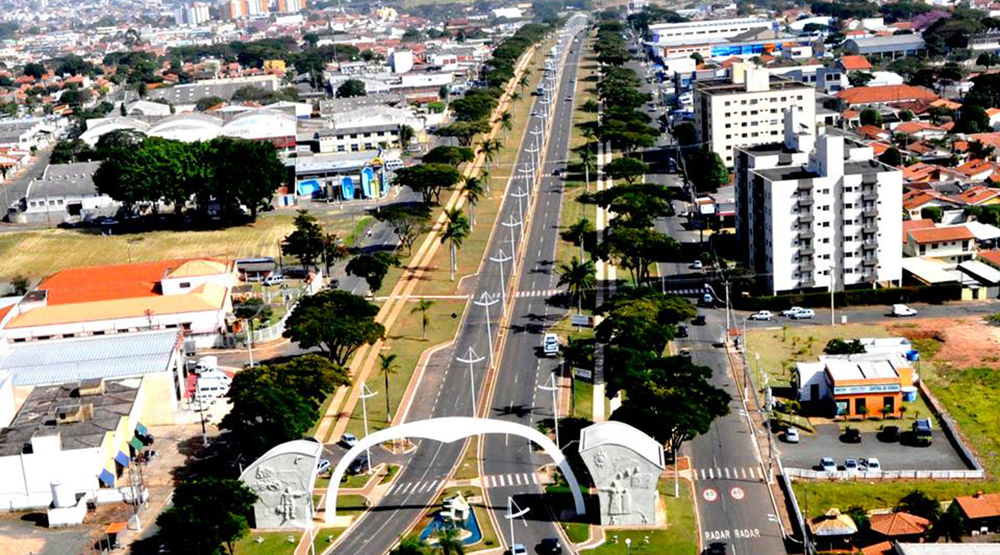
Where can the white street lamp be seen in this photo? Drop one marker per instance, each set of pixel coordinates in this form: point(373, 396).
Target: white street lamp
point(511, 515)
point(486, 301)
point(365, 395)
point(520, 194)
point(503, 287)
point(554, 388)
point(472, 358)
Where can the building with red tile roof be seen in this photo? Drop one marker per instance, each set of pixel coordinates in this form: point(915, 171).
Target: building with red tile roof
point(951, 244)
point(976, 170)
point(855, 63)
point(900, 526)
point(881, 548)
point(920, 129)
point(885, 95)
point(978, 196)
point(991, 257)
point(981, 509)
point(874, 132)
point(910, 225)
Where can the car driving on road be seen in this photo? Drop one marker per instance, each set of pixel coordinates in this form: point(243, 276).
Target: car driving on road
point(792, 435)
point(803, 314)
point(788, 313)
point(902, 311)
point(762, 316)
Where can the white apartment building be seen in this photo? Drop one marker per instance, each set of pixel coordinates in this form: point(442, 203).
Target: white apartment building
point(747, 109)
point(706, 30)
point(815, 212)
point(192, 14)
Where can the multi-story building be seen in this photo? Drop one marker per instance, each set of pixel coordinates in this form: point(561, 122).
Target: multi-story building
point(291, 6)
point(747, 109)
point(192, 14)
point(818, 212)
point(233, 9)
point(697, 31)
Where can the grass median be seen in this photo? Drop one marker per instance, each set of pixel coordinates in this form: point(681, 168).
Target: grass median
point(680, 537)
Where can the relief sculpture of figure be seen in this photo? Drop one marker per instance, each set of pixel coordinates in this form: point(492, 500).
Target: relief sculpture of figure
point(286, 508)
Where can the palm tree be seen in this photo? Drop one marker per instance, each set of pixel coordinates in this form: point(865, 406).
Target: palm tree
point(588, 159)
point(515, 96)
point(578, 277)
point(484, 177)
point(523, 81)
point(387, 365)
point(422, 307)
point(473, 192)
point(506, 123)
point(578, 233)
point(489, 149)
point(448, 542)
point(455, 231)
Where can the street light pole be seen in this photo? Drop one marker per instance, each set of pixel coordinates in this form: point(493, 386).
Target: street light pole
point(519, 195)
point(503, 287)
point(472, 358)
point(513, 250)
point(554, 389)
point(511, 515)
point(486, 301)
point(365, 395)
point(249, 341)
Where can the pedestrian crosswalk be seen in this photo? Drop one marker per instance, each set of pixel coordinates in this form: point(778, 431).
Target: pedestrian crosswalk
point(538, 293)
point(729, 473)
point(490, 481)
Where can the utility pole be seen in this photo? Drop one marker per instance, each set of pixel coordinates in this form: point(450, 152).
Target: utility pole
point(249, 340)
point(511, 515)
point(486, 300)
point(503, 287)
point(519, 195)
point(511, 224)
point(472, 358)
point(365, 395)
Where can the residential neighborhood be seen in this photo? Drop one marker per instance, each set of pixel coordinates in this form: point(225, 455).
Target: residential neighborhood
point(446, 277)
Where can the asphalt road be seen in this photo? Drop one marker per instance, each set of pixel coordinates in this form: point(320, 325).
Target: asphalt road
point(444, 390)
point(517, 396)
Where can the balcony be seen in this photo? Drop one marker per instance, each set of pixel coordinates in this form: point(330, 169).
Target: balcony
point(869, 196)
point(806, 265)
point(806, 218)
point(805, 202)
point(805, 186)
point(807, 282)
point(870, 262)
point(807, 250)
point(870, 227)
point(869, 245)
point(806, 233)
point(869, 212)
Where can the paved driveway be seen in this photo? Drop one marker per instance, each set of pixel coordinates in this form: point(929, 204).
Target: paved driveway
point(940, 455)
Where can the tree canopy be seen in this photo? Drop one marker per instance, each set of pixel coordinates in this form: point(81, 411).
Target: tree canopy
point(428, 179)
point(337, 322)
point(206, 514)
point(626, 168)
point(351, 88)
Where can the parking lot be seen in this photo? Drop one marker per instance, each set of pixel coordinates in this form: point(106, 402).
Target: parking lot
point(940, 455)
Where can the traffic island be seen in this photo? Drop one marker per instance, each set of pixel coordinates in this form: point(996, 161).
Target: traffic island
point(463, 509)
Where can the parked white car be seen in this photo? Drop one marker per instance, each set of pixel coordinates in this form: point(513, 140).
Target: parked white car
point(828, 464)
point(902, 311)
point(792, 435)
point(871, 464)
point(803, 314)
point(790, 311)
point(762, 316)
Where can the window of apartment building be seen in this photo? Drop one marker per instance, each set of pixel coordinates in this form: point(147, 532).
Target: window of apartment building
point(729, 136)
point(341, 148)
point(825, 241)
point(754, 134)
point(184, 285)
point(848, 205)
point(744, 135)
point(728, 125)
point(826, 257)
point(825, 224)
point(848, 222)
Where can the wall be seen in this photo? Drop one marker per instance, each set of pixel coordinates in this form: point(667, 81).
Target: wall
point(203, 322)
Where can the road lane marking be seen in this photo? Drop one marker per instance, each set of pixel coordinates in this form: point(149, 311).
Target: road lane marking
point(745, 473)
point(534, 479)
point(510, 480)
point(432, 484)
point(737, 493)
point(402, 490)
point(518, 477)
point(710, 495)
point(711, 475)
point(702, 473)
point(727, 472)
point(501, 480)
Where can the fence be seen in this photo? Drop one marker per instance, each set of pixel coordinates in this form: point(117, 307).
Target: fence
point(841, 475)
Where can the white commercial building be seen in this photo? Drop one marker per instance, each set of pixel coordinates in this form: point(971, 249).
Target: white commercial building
point(64, 192)
point(815, 212)
point(192, 14)
point(747, 109)
point(697, 31)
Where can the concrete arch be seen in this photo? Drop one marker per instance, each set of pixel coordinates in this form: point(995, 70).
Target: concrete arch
point(447, 430)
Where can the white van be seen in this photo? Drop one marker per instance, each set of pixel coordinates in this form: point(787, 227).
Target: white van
point(210, 389)
point(215, 374)
point(206, 363)
point(550, 345)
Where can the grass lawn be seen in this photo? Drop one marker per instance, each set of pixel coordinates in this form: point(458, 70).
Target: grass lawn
point(577, 532)
point(42, 252)
point(679, 538)
point(406, 342)
point(468, 468)
point(583, 400)
point(393, 469)
point(817, 497)
point(274, 543)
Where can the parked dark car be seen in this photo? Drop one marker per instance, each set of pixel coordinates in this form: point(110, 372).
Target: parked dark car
point(550, 546)
point(889, 434)
point(851, 435)
point(699, 320)
point(717, 548)
point(682, 331)
point(359, 465)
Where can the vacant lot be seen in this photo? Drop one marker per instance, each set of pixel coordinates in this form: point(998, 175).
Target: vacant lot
point(39, 253)
point(960, 365)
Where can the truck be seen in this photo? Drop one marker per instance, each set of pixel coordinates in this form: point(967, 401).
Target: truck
point(922, 434)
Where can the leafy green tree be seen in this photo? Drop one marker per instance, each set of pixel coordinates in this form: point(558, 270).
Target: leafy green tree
point(642, 320)
point(578, 277)
point(19, 285)
point(860, 517)
point(463, 131)
point(207, 513)
point(626, 168)
point(408, 222)
point(351, 88)
point(489, 149)
point(685, 133)
point(34, 69)
point(473, 192)
point(635, 249)
point(578, 233)
point(838, 346)
point(208, 102)
point(372, 268)
point(698, 59)
point(69, 151)
point(636, 206)
point(245, 172)
point(972, 119)
point(307, 242)
point(337, 322)
point(448, 542)
point(672, 400)
point(506, 122)
point(892, 157)
point(870, 116)
point(428, 179)
point(411, 545)
point(423, 305)
point(253, 310)
point(950, 524)
point(712, 172)
point(906, 115)
point(406, 135)
point(451, 155)
point(119, 139)
point(455, 231)
point(588, 160)
point(932, 213)
point(859, 78)
point(919, 503)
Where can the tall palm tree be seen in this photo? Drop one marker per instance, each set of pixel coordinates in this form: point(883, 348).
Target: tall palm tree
point(578, 277)
point(489, 148)
point(523, 81)
point(484, 177)
point(588, 159)
point(422, 307)
point(515, 96)
point(473, 191)
point(387, 365)
point(578, 233)
point(506, 122)
point(448, 542)
point(455, 232)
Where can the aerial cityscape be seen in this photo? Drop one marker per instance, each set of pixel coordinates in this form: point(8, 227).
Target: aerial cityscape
point(443, 277)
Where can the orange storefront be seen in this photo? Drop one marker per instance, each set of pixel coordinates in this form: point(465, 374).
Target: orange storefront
point(864, 389)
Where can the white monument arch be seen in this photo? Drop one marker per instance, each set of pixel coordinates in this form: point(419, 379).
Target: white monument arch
point(447, 430)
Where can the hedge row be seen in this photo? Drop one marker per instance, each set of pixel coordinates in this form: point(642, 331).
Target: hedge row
point(854, 297)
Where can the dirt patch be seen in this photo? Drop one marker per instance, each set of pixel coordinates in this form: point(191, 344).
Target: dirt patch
point(955, 343)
